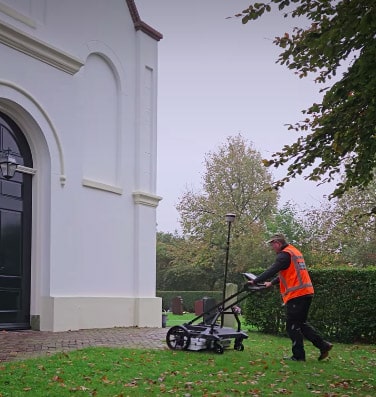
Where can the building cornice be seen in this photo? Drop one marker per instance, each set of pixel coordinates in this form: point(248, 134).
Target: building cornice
point(38, 49)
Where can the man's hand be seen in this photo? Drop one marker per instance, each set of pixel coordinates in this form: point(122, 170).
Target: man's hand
point(267, 284)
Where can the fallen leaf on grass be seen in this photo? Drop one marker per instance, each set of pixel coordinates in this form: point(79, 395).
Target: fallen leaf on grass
point(133, 383)
point(282, 391)
point(57, 378)
point(79, 388)
point(105, 380)
point(189, 385)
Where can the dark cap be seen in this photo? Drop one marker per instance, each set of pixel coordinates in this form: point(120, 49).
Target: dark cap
point(277, 237)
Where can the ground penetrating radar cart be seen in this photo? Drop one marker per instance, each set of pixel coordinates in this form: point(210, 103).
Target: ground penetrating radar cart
point(209, 333)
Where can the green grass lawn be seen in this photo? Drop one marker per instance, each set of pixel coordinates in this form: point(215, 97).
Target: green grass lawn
point(259, 370)
point(177, 319)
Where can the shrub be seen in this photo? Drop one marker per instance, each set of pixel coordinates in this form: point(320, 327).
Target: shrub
point(342, 309)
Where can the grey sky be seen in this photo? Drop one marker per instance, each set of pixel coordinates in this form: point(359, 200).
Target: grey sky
point(218, 78)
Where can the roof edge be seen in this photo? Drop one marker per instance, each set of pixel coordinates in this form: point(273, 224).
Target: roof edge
point(139, 24)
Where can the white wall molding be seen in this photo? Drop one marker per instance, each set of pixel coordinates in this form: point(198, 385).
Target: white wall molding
point(17, 15)
point(38, 49)
point(48, 120)
point(146, 199)
point(101, 186)
point(26, 170)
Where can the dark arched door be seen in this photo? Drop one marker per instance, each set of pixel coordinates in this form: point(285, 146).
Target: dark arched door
point(15, 231)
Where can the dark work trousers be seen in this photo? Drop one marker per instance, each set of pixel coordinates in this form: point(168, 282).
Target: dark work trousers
point(297, 327)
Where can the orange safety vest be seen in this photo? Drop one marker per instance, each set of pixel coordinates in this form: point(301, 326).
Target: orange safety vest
point(295, 281)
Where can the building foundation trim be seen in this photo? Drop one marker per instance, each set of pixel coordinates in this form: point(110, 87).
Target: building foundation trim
point(75, 313)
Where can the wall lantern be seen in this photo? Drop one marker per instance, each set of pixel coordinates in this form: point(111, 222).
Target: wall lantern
point(8, 164)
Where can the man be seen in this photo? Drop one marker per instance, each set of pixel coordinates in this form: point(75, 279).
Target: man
point(297, 292)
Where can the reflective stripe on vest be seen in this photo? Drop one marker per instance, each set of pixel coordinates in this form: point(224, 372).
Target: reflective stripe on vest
point(300, 271)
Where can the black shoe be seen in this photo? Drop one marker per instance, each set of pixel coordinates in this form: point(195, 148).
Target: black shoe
point(292, 358)
point(325, 351)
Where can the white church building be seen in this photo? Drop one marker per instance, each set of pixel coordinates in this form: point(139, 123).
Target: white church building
point(78, 105)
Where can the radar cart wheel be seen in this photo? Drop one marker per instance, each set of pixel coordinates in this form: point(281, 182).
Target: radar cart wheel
point(239, 346)
point(218, 348)
point(178, 338)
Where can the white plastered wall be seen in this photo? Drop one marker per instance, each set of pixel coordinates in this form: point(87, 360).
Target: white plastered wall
point(75, 284)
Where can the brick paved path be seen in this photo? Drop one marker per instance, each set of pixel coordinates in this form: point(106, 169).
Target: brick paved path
point(25, 344)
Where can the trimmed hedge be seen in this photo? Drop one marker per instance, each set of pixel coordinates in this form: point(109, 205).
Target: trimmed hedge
point(189, 298)
point(343, 308)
